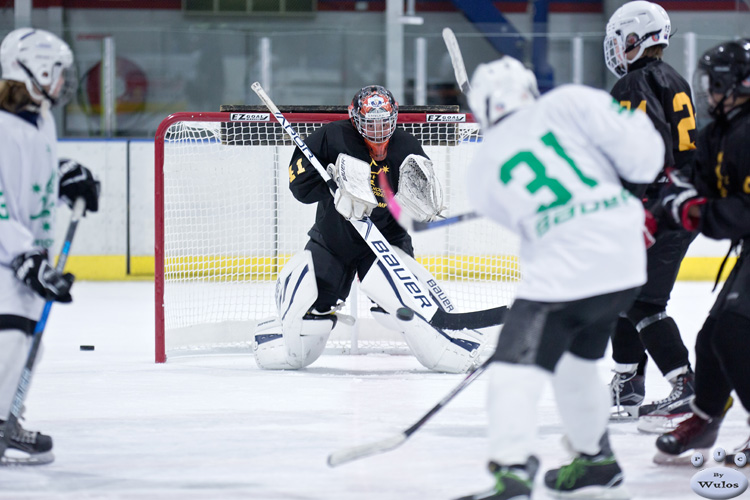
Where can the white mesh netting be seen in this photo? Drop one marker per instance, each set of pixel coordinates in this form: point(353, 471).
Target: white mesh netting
point(230, 224)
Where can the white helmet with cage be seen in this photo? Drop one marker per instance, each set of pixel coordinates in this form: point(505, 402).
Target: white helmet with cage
point(38, 59)
point(499, 88)
point(635, 25)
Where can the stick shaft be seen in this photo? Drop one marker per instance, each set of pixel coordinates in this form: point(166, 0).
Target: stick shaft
point(23, 384)
point(384, 445)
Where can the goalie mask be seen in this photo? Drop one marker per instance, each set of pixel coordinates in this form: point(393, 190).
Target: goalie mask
point(722, 76)
point(635, 25)
point(499, 88)
point(374, 112)
point(41, 61)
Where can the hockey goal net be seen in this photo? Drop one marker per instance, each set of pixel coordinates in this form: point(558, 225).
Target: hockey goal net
point(226, 223)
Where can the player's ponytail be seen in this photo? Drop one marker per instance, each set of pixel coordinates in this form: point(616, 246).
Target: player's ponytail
point(13, 96)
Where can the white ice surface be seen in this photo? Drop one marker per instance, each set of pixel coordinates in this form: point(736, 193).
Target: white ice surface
point(216, 427)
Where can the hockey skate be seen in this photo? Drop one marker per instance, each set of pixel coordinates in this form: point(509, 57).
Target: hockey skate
point(588, 476)
point(628, 391)
point(511, 482)
point(26, 447)
point(743, 449)
point(694, 434)
point(666, 414)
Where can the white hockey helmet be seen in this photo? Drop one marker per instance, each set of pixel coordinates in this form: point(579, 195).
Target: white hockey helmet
point(638, 24)
point(499, 88)
point(37, 58)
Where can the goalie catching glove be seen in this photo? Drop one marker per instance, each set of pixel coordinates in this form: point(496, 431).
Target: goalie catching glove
point(34, 271)
point(354, 198)
point(419, 190)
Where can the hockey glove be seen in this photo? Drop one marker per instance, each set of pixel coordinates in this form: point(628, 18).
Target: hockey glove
point(33, 270)
point(681, 201)
point(354, 198)
point(77, 181)
point(419, 189)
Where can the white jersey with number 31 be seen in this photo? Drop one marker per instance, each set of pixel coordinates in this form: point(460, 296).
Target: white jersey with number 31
point(551, 173)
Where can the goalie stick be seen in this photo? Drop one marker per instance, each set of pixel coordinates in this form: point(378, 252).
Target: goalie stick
point(403, 279)
point(346, 455)
point(23, 383)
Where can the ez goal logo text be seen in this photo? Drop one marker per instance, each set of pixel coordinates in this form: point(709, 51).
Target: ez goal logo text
point(250, 117)
point(719, 482)
point(447, 118)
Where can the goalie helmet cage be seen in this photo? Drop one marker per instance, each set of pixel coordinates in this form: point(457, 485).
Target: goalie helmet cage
point(226, 223)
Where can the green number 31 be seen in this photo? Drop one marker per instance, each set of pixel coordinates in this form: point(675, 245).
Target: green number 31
point(541, 179)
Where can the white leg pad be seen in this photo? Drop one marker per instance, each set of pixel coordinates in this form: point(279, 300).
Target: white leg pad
point(512, 401)
point(289, 341)
point(433, 349)
point(14, 346)
point(386, 320)
point(583, 401)
point(439, 295)
point(275, 349)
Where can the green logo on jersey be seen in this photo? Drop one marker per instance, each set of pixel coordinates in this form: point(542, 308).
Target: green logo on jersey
point(563, 214)
point(3, 208)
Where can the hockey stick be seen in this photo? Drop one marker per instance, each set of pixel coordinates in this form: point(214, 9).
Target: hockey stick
point(346, 455)
point(457, 60)
point(23, 384)
point(403, 218)
point(459, 69)
point(402, 278)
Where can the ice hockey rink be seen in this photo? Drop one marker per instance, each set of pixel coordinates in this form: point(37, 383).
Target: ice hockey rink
point(216, 427)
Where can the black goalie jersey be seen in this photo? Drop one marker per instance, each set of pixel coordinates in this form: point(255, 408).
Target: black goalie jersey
point(330, 229)
point(653, 86)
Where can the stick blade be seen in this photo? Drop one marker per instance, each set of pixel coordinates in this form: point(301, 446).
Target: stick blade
point(346, 455)
point(457, 60)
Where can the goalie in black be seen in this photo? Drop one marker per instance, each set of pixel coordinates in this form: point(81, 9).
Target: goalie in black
point(313, 285)
point(34, 63)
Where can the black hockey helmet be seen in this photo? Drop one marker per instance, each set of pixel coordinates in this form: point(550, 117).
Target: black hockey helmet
point(724, 71)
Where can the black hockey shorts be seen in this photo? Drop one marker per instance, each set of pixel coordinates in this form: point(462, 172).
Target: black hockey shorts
point(735, 294)
point(663, 264)
point(538, 333)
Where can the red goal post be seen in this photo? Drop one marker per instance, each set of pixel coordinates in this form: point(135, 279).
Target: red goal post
point(226, 223)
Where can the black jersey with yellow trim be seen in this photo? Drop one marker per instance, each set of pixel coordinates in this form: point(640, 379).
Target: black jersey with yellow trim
point(330, 228)
point(722, 174)
point(653, 86)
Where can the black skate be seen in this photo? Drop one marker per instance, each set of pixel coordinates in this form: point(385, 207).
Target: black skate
point(665, 415)
point(628, 391)
point(694, 434)
point(511, 482)
point(26, 447)
point(588, 476)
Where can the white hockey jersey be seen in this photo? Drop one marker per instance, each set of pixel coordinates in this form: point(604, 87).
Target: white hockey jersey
point(28, 197)
point(550, 172)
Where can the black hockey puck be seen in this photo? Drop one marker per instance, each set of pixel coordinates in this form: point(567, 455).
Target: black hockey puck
point(87, 348)
point(405, 314)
